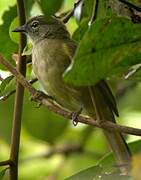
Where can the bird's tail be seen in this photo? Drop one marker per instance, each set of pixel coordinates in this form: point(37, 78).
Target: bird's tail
point(105, 107)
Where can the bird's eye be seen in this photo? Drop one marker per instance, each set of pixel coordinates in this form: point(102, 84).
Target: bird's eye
point(35, 24)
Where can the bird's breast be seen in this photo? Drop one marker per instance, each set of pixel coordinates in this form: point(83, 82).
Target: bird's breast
point(45, 65)
point(49, 63)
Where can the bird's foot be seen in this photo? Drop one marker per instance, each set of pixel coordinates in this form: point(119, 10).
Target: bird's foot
point(74, 117)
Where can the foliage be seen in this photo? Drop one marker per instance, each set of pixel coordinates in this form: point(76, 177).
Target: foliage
point(97, 57)
point(51, 147)
point(2, 173)
point(50, 7)
point(5, 83)
point(104, 169)
point(5, 41)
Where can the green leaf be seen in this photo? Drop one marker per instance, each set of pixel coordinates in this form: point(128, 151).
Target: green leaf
point(108, 159)
point(28, 6)
point(14, 36)
point(134, 72)
point(110, 46)
point(6, 112)
point(135, 2)
point(80, 31)
point(104, 169)
point(2, 173)
point(5, 82)
point(42, 123)
point(98, 173)
point(4, 5)
point(85, 11)
point(27, 50)
point(103, 9)
point(50, 7)
point(39, 122)
point(7, 47)
point(7, 85)
point(89, 173)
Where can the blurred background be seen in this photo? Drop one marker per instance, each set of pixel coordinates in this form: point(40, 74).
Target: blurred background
point(51, 147)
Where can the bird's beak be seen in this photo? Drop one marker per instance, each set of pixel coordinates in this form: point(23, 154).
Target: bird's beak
point(20, 29)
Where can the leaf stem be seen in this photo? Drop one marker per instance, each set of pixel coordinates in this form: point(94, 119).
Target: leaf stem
point(94, 12)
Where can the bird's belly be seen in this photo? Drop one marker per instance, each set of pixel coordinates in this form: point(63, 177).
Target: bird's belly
point(51, 80)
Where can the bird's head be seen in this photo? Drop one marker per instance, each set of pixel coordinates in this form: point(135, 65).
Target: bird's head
point(39, 27)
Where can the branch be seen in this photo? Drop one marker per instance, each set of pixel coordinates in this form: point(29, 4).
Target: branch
point(6, 163)
point(131, 5)
point(65, 150)
point(135, 17)
point(94, 12)
point(42, 98)
point(16, 128)
point(1, 79)
point(70, 14)
point(61, 149)
point(5, 97)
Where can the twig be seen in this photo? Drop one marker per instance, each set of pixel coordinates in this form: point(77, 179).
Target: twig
point(94, 12)
point(63, 149)
point(6, 163)
point(70, 14)
point(1, 79)
point(16, 128)
point(5, 97)
point(57, 109)
point(18, 75)
point(132, 71)
point(131, 5)
point(32, 81)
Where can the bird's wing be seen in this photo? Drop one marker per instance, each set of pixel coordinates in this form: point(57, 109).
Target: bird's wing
point(105, 106)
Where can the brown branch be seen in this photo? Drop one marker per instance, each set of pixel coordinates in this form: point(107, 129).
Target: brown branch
point(6, 163)
point(41, 98)
point(18, 106)
point(131, 5)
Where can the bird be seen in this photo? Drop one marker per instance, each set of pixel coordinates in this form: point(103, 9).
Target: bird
point(52, 53)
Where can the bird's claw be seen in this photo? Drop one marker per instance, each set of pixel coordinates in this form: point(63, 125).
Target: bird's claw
point(74, 117)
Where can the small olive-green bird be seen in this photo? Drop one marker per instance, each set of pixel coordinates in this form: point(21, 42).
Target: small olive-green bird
point(53, 51)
